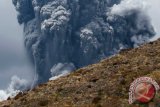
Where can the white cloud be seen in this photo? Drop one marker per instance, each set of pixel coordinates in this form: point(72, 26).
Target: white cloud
point(138, 40)
point(151, 7)
point(61, 69)
point(128, 6)
point(14, 87)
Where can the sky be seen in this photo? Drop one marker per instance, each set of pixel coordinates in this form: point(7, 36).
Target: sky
point(154, 12)
point(13, 59)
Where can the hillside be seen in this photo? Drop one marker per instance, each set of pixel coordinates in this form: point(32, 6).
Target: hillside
point(103, 84)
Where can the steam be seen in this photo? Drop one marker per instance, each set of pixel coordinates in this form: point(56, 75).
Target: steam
point(127, 7)
point(139, 10)
point(17, 85)
point(138, 40)
point(61, 69)
point(148, 7)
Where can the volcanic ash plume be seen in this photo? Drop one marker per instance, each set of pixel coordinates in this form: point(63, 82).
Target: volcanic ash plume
point(80, 32)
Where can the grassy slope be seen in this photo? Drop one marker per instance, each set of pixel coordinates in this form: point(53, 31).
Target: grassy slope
point(103, 84)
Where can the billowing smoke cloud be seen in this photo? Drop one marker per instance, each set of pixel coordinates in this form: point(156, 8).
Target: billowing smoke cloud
point(149, 7)
point(80, 32)
point(131, 7)
point(127, 7)
point(17, 85)
point(25, 8)
point(60, 69)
